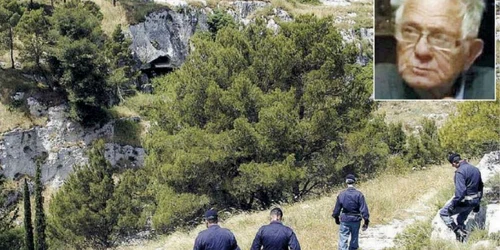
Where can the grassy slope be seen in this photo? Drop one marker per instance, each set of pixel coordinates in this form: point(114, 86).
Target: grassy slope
point(312, 220)
point(112, 16)
point(10, 82)
point(410, 113)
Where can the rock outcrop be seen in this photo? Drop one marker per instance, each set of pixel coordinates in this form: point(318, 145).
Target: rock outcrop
point(487, 217)
point(64, 143)
point(336, 2)
point(358, 37)
point(162, 40)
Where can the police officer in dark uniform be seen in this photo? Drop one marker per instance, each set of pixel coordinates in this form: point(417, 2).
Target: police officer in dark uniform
point(468, 194)
point(275, 236)
point(349, 209)
point(215, 237)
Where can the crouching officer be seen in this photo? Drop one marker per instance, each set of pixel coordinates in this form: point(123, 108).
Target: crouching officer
point(275, 236)
point(349, 209)
point(215, 237)
point(468, 194)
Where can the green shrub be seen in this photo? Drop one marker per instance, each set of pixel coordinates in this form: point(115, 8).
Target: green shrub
point(127, 132)
point(12, 238)
point(494, 184)
point(176, 209)
point(495, 237)
point(136, 11)
point(396, 164)
point(415, 237)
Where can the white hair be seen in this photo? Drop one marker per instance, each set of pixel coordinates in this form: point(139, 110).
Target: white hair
point(472, 12)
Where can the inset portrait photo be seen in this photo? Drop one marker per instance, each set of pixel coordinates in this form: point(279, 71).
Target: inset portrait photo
point(434, 50)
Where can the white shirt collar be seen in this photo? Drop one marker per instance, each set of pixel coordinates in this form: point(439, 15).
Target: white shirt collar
point(461, 89)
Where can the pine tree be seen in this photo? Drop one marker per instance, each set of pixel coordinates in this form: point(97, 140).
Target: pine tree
point(33, 32)
point(76, 63)
point(28, 226)
point(396, 138)
point(40, 223)
point(10, 13)
point(83, 213)
point(256, 116)
point(475, 129)
point(120, 63)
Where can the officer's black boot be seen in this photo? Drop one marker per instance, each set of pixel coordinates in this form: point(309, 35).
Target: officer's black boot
point(459, 231)
point(464, 233)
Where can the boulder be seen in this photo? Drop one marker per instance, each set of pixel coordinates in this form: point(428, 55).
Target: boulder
point(493, 218)
point(36, 108)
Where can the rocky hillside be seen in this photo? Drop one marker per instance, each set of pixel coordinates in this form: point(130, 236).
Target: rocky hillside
point(160, 44)
point(62, 143)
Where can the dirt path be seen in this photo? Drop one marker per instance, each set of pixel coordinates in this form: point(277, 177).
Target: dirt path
point(379, 237)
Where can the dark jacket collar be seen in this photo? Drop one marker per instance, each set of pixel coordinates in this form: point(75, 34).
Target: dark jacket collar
point(276, 222)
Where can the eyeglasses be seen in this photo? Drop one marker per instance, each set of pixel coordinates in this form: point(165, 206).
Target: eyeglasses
point(438, 41)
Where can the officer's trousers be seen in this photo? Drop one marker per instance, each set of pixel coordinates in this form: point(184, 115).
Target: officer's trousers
point(463, 210)
point(347, 229)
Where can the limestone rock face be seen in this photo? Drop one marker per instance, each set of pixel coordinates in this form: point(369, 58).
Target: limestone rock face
point(36, 108)
point(241, 10)
point(362, 35)
point(487, 217)
point(163, 39)
point(64, 143)
point(336, 2)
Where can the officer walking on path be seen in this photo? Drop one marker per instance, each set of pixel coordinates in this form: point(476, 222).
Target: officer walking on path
point(215, 237)
point(275, 236)
point(468, 194)
point(349, 209)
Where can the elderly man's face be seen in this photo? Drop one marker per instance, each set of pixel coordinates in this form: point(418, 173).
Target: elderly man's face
point(430, 51)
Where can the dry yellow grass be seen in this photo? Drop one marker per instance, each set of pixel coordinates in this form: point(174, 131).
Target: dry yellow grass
point(387, 197)
point(5, 58)
point(134, 106)
point(112, 16)
point(410, 113)
point(10, 82)
point(363, 10)
point(14, 119)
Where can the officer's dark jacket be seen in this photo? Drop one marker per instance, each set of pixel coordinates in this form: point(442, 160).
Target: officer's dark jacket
point(351, 203)
point(215, 238)
point(467, 182)
point(275, 236)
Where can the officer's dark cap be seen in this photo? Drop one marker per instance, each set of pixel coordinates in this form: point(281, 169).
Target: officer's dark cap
point(211, 214)
point(453, 157)
point(350, 178)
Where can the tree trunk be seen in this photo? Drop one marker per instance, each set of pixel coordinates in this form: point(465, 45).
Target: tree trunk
point(114, 3)
point(11, 45)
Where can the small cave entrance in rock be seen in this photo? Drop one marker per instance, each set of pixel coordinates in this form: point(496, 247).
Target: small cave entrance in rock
point(18, 176)
point(159, 66)
point(27, 150)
